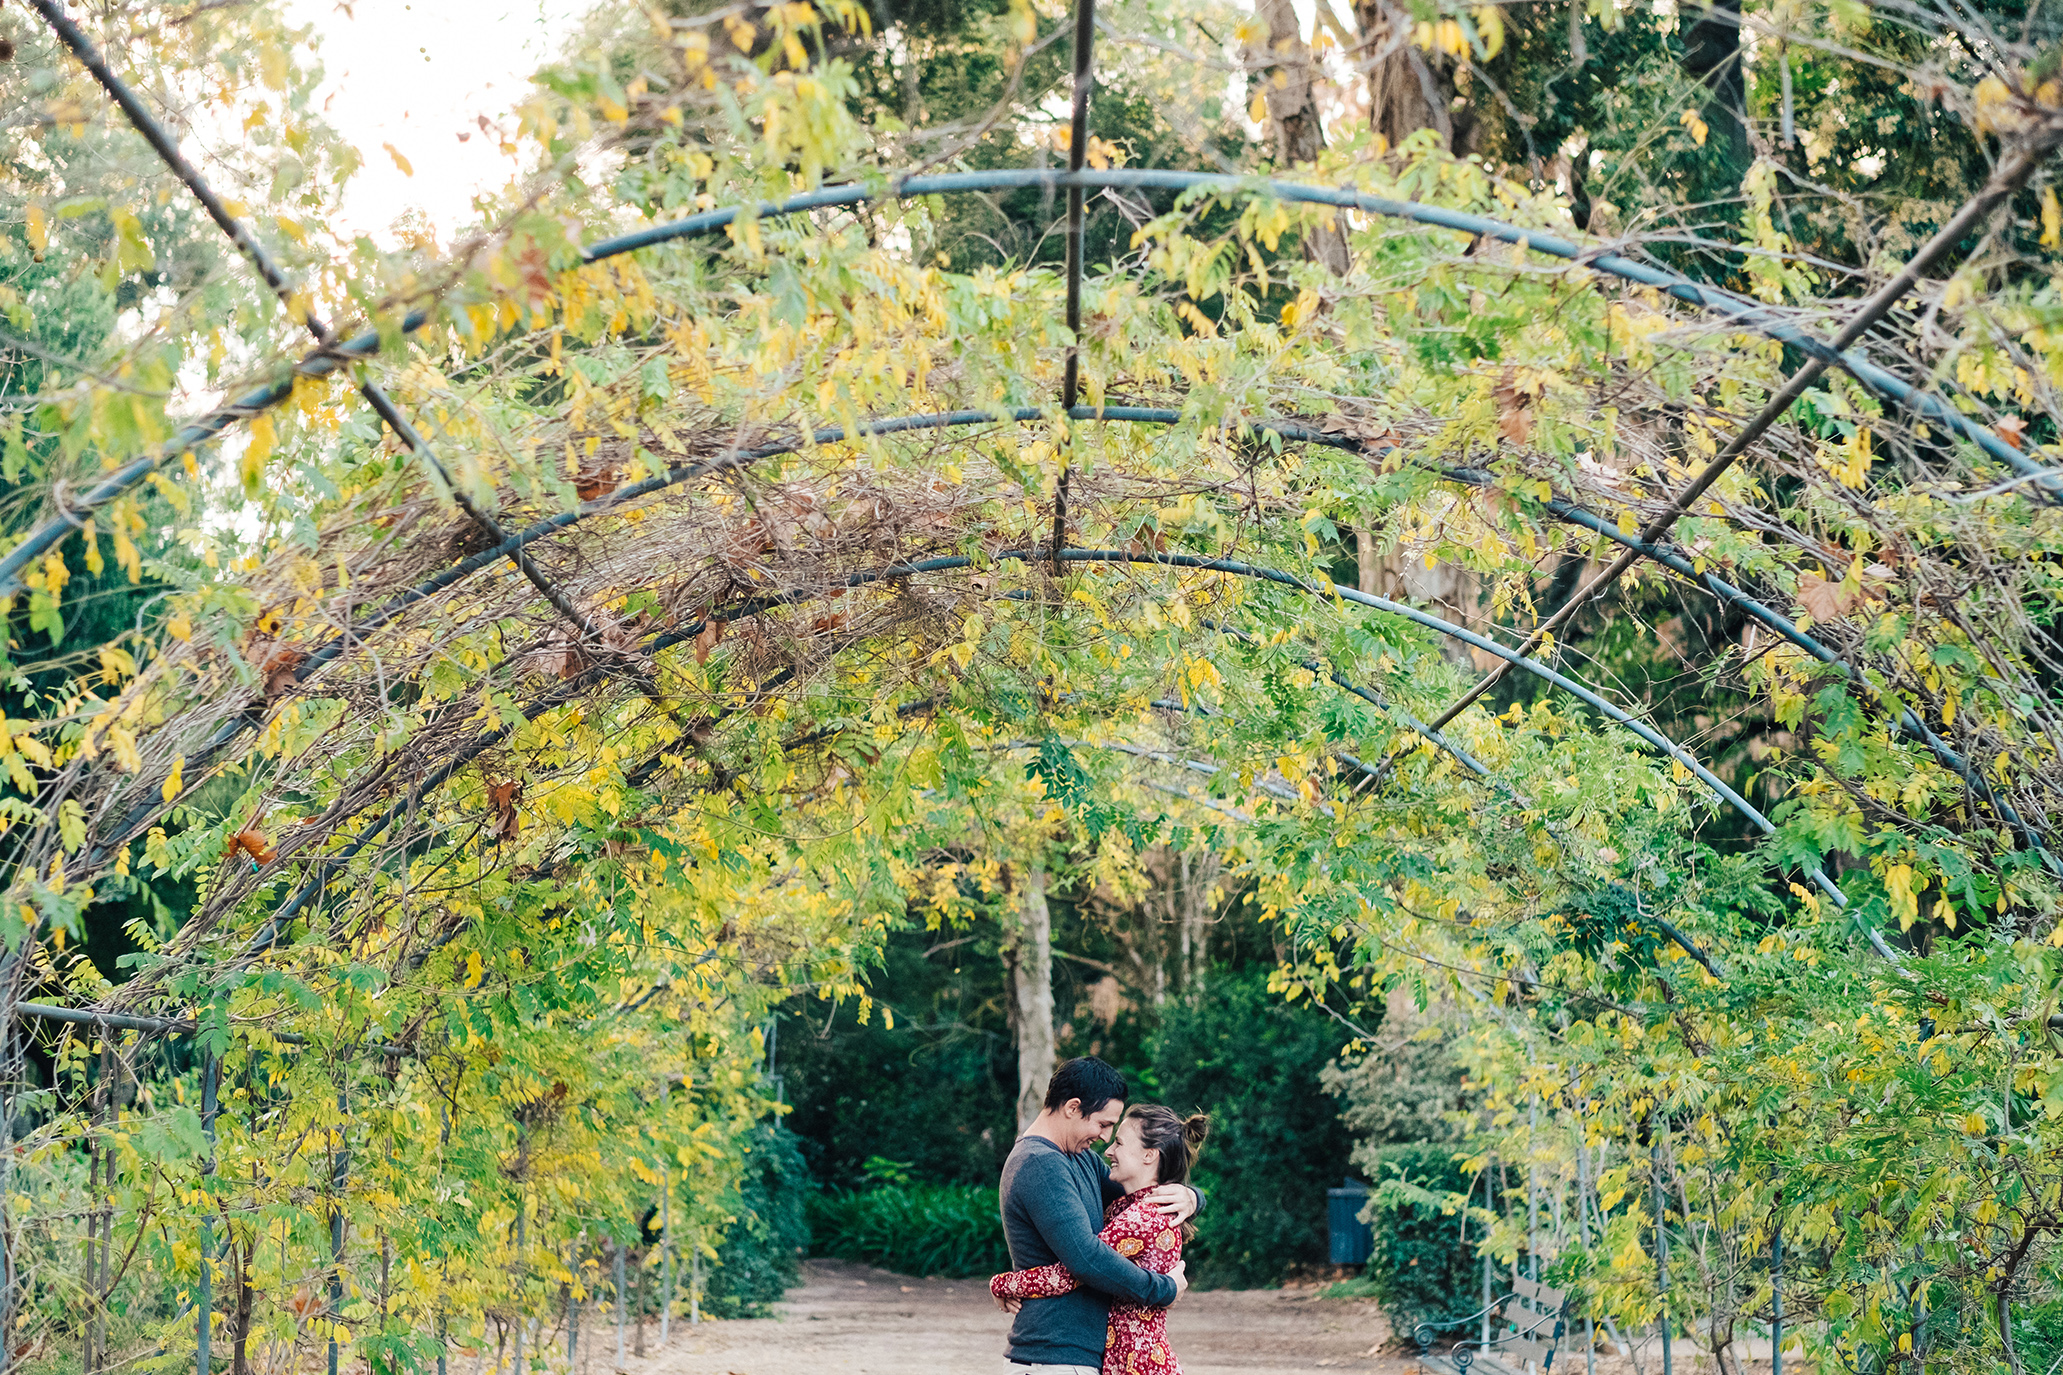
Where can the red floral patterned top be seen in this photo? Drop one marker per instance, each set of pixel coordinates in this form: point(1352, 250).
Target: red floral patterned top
point(1137, 1342)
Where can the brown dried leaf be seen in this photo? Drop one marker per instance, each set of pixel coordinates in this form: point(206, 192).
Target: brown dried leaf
point(1514, 408)
point(503, 797)
point(2013, 430)
point(592, 484)
point(1824, 601)
point(250, 842)
point(710, 636)
point(276, 664)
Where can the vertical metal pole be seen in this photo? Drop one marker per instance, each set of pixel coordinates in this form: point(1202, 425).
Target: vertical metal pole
point(572, 1323)
point(7, 1101)
point(1077, 150)
point(1661, 1245)
point(1532, 1191)
point(103, 1092)
point(695, 1281)
point(522, 1232)
point(1776, 1291)
point(1489, 1205)
point(619, 1305)
point(339, 1177)
point(665, 1252)
point(204, 1299)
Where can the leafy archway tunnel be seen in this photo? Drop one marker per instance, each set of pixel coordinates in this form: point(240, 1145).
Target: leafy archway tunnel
point(678, 613)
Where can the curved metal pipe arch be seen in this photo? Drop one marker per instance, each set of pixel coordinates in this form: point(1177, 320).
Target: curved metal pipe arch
point(323, 867)
point(1561, 508)
point(1742, 311)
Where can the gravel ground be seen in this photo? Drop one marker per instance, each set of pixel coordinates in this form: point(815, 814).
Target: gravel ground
point(849, 1319)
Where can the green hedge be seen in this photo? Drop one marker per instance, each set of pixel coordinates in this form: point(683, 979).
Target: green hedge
point(954, 1230)
point(1420, 1269)
point(1253, 1062)
point(762, 1255)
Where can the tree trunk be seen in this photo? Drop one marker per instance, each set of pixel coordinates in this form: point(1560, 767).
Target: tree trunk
point(638, 1283)
point(1365, 560)
point(1448, 590)
point(1198, 872)
point(1030, 957)
point(1408, 89)
point(1286, 76)
point(240, 1331)
point(1712, 54)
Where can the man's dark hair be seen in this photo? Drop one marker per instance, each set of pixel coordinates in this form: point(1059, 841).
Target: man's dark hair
point(1088, 1079)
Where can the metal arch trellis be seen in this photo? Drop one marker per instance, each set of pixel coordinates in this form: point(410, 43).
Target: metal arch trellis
point(325, 866)
point(332, 355)
point(1739, 310)
point(1743, 311)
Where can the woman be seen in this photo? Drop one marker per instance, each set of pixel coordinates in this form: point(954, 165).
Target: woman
point(1152, 1147)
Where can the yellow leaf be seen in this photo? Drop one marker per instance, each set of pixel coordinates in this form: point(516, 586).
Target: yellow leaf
point(1490, 24)
point(39, 228)
point(1994, 110)
point(252, 465)
point(407, 168)
point(123, 745)
point(1258, 110)
point(2052, 219)
point(474, 971)
point(172, 780)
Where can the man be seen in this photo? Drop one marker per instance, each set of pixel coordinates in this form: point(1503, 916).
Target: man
point(1054, 1190)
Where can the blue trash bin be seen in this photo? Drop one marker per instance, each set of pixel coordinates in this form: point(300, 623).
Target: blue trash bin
point(1352, 1240)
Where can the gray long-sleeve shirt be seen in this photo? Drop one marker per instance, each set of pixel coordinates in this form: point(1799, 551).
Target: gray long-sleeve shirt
point(1052, 1211)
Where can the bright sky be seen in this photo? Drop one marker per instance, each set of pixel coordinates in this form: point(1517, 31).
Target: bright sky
point(416, 74)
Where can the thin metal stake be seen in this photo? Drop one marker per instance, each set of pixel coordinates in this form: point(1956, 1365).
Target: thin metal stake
point(665, 1252)
point(339, 1177)
point(1661, 1247)
point(1776, 1291)
point(204, 1300)
point(1532, 1192)
point(619, 1306)
point(1489, 1205)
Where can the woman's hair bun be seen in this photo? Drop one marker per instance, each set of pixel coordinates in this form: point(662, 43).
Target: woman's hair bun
point(1194, 1128)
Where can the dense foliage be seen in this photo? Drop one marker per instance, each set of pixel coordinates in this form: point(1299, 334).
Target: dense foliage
point(1234, 1050)
point(1423, 1269)
point(761, 1252)
point(954, 1230)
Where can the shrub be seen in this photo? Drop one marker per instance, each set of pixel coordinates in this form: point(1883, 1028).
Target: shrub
point(762, 1255)
point(954, 1230)
point(1421, 1269)
point(1277, 1144)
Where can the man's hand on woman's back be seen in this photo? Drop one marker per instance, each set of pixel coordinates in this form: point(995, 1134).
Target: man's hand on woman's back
point(1175, 1202)
point(1180, 1275)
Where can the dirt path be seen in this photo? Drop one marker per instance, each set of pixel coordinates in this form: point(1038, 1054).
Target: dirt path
point(853, 1320)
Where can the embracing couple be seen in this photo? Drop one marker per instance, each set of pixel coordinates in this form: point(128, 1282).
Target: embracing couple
point(1089, 1300)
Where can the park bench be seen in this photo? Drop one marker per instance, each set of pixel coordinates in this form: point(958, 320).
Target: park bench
point(1531, 1318)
